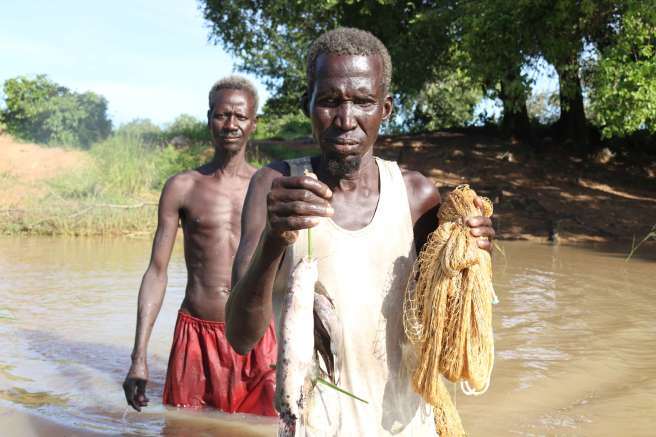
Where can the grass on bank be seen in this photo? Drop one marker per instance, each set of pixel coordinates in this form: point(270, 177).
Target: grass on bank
point(117, 192)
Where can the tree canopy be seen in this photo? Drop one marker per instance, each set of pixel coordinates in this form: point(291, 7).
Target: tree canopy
point(42, 111)
point(602, 50)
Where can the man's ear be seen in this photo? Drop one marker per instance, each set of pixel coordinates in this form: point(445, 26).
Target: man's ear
point(305, 102)
point(388, 107)
point(209, 118)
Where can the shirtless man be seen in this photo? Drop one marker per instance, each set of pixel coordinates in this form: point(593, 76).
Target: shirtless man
point(367, 215)
point(203, 369)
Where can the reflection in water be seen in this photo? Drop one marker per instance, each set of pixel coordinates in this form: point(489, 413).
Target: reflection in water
point(575, 342)
point(29, 399)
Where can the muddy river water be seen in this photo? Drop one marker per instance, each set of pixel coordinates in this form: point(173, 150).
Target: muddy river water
point(575, 344)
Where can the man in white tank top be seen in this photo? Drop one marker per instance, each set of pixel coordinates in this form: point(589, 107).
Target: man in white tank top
point(368, 217)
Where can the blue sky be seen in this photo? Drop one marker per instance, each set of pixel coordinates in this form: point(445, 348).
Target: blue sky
point(150, 59)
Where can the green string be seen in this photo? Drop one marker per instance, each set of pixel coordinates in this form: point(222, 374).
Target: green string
point(309, 238)
point(341, 390)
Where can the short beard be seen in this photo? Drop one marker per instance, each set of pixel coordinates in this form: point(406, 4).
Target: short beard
point(343, 167)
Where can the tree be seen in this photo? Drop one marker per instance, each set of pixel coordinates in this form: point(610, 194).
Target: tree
point(489, 43)
point(271, 39)
point(499, 43)
point(624, 79)
point(42, 111)
point(445, 103)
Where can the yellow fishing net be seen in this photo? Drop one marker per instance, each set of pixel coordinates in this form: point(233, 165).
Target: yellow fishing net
point(447, 312)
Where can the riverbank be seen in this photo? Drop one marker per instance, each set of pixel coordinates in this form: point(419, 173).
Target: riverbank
point(539, 194)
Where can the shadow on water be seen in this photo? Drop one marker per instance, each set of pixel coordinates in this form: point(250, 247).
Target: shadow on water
point(83, 389)
point(111, 360)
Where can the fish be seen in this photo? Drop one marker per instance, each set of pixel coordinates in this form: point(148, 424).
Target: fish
point(328, 335)
point(296, 365)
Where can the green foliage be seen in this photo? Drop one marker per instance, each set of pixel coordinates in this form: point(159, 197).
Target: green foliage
point(543, 108)
point(271, 39)
point(624, 85)
point(121, 166)
point(124, 166)
point(448, 102)
point(490, 42)
point(141, 130)
point(42, 111)
point(190, 129)
point(286, 127)
point(498, 43)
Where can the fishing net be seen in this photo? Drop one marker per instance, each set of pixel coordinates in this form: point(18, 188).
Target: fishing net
point(447, 311)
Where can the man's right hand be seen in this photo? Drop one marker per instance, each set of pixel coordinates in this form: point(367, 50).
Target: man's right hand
point(134, 386)
point(295, 203)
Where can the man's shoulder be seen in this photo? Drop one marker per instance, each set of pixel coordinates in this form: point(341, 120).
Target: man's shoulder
point(179, 184)
point(423, 195)
point(420, 184)
point(266, 174)
point(182, 179)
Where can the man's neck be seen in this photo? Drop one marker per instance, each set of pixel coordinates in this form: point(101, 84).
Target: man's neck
point(366, 177)
point(228, 164)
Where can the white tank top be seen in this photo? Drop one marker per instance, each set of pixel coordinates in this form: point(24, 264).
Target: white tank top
point(365, 272)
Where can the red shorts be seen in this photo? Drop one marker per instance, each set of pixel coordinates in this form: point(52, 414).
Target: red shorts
point(204, 370)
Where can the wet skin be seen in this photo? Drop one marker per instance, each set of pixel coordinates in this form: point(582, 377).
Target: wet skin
point(347, 105)
point(207, 203)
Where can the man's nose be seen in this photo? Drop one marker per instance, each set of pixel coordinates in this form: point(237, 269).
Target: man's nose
point(231, 123)
point(345, 117)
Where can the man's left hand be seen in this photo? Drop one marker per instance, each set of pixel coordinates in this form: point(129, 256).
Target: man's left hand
point(481, 227)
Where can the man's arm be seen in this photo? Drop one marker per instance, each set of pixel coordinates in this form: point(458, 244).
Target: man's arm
point(151, 292)
point(275, 209)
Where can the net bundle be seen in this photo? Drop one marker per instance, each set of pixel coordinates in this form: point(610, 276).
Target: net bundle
point(447, 310)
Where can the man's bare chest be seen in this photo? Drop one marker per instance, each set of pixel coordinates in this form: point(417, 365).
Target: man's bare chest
point(213, 207)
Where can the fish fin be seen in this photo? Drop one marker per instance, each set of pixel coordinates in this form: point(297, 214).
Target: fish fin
point(321, 290)
point(322, 346)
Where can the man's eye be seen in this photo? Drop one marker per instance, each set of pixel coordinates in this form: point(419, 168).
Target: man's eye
point(328, 102)
point(219, 116)
point(242, 118)
point(364, 103)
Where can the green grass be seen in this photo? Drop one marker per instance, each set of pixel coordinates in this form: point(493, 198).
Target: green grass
point(117, 192)
point(651, 235)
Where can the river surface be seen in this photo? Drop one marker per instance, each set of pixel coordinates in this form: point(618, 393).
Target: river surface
point(575, 334)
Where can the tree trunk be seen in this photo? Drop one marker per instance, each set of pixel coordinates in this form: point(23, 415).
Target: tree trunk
point(515, 114)
point(572, 122)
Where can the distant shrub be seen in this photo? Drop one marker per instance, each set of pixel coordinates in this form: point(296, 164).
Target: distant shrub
point(141, 130)
point(287, 127)
point(42, 111)
point(171, 160)
point(190, 128)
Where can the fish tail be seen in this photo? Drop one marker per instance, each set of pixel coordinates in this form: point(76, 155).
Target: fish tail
point(287, 426)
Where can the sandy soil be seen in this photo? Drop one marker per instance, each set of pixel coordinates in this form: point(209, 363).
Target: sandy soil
point(24, 165)
point(536, 193)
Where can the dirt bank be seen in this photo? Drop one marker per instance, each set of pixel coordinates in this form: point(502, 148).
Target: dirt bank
point(24, 167)
point(536, 193)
